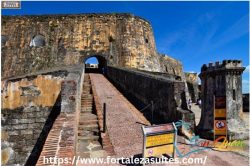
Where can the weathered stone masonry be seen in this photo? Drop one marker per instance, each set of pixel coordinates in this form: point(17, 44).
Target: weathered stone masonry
point(34, 48)
point(28, 109)
point(192, 83)
point(222, 79)
point(33, 43)
point(167, 94)
point(30, 105)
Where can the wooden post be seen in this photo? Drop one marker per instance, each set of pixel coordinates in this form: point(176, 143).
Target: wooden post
point(152, 112)
point(104, 117)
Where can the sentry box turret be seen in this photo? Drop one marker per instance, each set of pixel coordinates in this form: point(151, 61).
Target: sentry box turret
point(159, 140)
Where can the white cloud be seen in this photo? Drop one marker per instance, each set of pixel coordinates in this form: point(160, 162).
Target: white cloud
point(247, 69)
point(191, 72)
point(235, 31)
point(245, 86)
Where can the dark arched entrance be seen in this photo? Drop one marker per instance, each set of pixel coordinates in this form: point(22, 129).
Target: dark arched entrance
point(95, 64)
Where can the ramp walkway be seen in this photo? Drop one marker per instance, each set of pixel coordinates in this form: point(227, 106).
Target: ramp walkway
point(123, 119)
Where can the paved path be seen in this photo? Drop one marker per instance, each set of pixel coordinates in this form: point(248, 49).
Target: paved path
point(123, 119)
point(197, 111)
point(126, 136)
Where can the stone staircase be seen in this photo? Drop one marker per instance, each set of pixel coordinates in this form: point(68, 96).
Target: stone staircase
point(89, 137)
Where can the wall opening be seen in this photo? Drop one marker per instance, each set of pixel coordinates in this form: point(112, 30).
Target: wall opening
point(111, 39)
point(37, 41)
point(234, 95)
point(60, 43)
point(95, 64)
point(166, 69)
point(3, 40)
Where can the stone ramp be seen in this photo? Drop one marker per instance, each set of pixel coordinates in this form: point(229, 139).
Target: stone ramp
point(123, 119)
point(88, 139)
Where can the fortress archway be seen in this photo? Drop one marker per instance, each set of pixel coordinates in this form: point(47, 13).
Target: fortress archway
point(95, 64)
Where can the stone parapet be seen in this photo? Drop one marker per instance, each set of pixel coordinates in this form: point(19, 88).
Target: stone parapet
point(234, 66)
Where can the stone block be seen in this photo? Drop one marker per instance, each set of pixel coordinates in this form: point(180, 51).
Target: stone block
point(26, 121)
point(24, 132)
point(40, 120)
point(19, 127)
point(14, 121)
point(15, 132)
point(36, 125)
point(28, 136)
point(31, 115)
point(16, 138)
point(39, 114)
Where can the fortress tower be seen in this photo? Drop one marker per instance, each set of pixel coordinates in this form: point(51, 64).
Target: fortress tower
point(222, 81)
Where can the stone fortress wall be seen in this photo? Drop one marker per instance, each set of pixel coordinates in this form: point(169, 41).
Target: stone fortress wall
point(35, 43)
point(36, 48)
point(165, 95)
point(192, 83)
point(30, 105)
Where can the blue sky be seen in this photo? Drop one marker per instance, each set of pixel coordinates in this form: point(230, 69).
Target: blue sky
point(192, 32)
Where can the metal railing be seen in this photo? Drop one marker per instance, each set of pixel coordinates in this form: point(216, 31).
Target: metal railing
point(152, 110)
point(104, 117)
point(152, 103)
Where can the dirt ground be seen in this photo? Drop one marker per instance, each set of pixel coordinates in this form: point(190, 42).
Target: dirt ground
point(234, 157)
